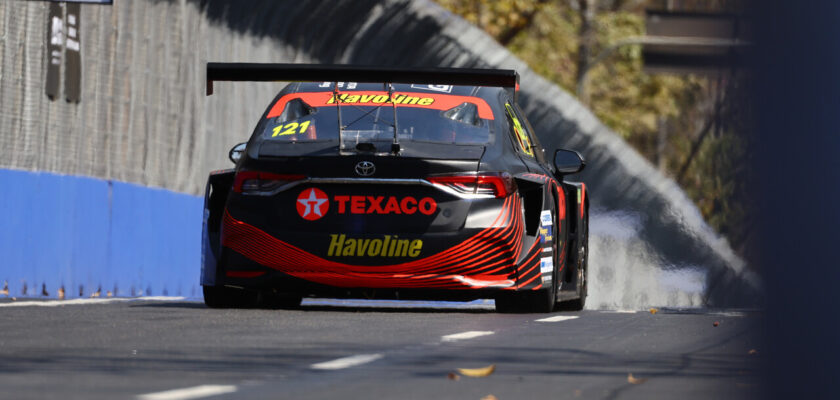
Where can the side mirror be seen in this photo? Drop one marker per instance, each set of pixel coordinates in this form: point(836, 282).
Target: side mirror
point(568, 161)
point(236, 152)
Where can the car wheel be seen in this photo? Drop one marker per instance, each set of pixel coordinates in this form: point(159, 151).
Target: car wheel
point(583, 268)
point(225, 297)
point(538, 301)
point(276, 301)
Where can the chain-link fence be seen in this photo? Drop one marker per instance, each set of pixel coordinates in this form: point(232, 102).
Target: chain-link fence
point(143, 116)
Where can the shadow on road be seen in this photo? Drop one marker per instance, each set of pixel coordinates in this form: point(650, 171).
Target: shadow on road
point(352, 306)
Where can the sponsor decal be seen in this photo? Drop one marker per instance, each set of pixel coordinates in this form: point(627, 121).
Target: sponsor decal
point(312, 204)
point(545, 224)
point(434, 101)
point(436, 88)
point(384, 205)
point(388, 246)
point(545, 235)
point(350, 85)
point(521, 135)
point(546, 265)
point(545, 218)
point(376, 99)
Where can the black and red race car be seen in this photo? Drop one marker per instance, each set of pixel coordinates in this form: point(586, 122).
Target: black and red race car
point(393, 183)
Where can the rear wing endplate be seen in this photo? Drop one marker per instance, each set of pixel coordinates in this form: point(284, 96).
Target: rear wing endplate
point(258, 72)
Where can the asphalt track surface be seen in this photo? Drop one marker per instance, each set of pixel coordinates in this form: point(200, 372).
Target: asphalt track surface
point(178, 349)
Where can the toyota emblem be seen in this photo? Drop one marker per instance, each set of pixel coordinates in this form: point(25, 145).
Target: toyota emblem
point(365, 168)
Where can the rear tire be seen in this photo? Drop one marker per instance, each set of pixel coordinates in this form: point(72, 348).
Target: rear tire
point(274, 301)
point(583, 268)
point(225, 297)
point(536, 301)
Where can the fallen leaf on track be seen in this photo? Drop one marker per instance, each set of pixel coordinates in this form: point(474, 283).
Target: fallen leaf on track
point(654, 311)
point(716, 324)
point(453, 376)
point(477, 372)
point(635, 381)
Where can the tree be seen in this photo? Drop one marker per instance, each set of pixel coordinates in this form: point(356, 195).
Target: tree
point(688, 125)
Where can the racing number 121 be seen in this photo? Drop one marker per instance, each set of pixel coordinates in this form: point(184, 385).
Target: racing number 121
point(291, 128)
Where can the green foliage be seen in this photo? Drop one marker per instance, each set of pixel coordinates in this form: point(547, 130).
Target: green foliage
point(546, 35)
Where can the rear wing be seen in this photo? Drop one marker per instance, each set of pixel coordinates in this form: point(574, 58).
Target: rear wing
point(255, 72)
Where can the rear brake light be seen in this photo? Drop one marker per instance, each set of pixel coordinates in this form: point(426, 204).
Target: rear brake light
point(256, 181)
point(498, 184)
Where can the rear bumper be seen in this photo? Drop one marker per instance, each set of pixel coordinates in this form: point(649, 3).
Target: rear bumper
point(339, 286)
point(499, 257)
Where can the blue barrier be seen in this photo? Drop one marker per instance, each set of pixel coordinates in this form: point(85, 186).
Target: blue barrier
point(89, 235)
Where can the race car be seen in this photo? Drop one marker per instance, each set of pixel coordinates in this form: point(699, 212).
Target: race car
point(386, 183)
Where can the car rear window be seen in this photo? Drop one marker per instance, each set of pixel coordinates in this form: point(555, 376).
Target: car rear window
point(368, 116)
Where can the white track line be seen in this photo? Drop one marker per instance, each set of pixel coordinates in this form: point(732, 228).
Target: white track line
point(346, 362)
point(189, 393)
point(465, 335)
point(76, 302)
point(557, 318)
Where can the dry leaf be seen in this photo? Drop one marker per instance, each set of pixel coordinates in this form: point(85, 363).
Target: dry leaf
point(453, 376)
point(635, 381)
point(653, 311)
point(477, 372)
point(716, 324)
point(752, 352)
point(489, 397)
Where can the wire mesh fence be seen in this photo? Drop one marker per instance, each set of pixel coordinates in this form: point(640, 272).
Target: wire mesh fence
point(143, 116)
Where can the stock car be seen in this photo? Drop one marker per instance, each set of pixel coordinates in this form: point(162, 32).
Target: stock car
point(380, 183)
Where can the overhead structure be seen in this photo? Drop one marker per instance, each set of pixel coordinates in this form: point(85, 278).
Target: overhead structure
point(689, 42)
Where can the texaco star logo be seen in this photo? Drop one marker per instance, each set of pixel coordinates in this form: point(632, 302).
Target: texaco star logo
point(312, 204)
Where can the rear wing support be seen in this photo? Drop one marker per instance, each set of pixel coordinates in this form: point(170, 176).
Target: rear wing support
point(257, 72)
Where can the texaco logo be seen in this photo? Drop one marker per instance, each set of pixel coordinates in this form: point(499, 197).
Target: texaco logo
point(365, 168)
point(312, 204)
